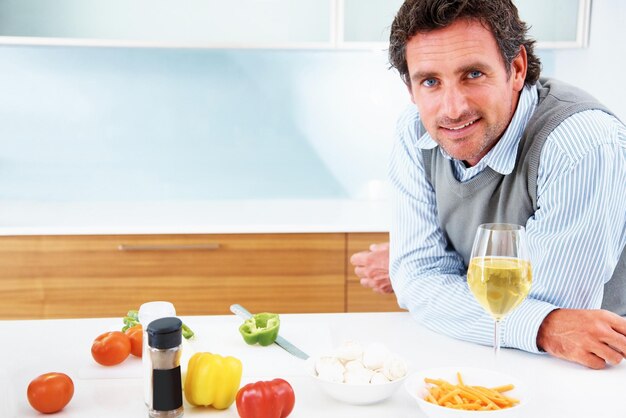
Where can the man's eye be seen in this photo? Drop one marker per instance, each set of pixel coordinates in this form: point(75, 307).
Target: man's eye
point(474, 74)
point(429, 82)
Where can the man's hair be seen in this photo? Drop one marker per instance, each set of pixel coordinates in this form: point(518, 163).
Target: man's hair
point(499, 16)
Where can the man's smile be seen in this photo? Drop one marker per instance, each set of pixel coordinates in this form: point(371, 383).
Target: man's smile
point(460, 130)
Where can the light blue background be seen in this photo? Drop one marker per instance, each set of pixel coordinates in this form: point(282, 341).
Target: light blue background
point(135, 124)
point(116, 124)
point(126, 124)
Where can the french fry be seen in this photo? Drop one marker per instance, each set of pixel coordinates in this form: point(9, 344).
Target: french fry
point(449, 396)
point(459, 378)
point(431, 399)
point(469, 398)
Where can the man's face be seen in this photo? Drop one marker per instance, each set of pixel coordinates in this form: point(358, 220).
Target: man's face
point(460, 85)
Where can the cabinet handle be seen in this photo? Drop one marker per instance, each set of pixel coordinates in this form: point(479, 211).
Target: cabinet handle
point(169, 247)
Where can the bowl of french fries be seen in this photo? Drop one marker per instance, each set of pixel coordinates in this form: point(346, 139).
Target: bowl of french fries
point(461, 392)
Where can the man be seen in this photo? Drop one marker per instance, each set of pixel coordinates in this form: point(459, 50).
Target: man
point(489, 142)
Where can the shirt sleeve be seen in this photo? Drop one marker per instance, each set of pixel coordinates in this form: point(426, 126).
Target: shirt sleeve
point(578, 232)
point(575, 237)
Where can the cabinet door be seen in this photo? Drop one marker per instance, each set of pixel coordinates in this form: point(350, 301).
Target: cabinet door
point(557, 23)
point(89, 276)
point(367, 23)
point(554, 24)
point(188, 23)
point(359, 298)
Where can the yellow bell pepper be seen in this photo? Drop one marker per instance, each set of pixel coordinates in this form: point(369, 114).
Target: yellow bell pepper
point(212, 380)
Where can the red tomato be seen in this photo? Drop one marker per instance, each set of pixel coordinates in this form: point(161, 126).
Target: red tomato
point(50, 392)
point(265, 399)
point(135, 334)
point(111, 348)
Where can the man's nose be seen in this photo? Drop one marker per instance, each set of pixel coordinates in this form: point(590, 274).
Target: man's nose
point(454, 101)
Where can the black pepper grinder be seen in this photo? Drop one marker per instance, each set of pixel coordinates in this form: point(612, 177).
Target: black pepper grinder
point(165, 349)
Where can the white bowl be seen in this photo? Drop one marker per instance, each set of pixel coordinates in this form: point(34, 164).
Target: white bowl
point(354, 394)
point(417, 388)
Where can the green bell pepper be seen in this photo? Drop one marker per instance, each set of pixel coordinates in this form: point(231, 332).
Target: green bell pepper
point(261, 328)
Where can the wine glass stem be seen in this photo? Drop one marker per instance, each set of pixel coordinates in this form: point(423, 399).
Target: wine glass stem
point(496, 338)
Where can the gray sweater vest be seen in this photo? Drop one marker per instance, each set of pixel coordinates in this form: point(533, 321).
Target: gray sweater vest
point(492, 197)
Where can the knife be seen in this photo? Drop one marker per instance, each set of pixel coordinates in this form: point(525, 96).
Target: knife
point(242, 312)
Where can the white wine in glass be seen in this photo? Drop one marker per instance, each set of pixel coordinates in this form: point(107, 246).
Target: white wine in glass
point(499, 273)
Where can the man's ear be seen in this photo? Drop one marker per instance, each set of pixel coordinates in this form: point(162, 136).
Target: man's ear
point(519, 66)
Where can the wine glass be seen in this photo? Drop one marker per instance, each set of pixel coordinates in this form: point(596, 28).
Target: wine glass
point(499, 273)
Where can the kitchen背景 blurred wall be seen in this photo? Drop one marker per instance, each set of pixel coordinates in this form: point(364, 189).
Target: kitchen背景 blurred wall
point(117, 124)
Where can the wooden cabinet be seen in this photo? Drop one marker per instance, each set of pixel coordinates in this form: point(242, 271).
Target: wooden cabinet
point(359, 298)
point(106, 275)
point(90, 276)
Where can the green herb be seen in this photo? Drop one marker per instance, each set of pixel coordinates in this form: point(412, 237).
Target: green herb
point(132, 318)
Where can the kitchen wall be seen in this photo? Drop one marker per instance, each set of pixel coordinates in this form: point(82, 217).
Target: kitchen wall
point(600, 67)
point(114, 124)
point(160, 124)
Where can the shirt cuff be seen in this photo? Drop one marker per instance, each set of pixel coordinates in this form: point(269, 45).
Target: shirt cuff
point(520, 328)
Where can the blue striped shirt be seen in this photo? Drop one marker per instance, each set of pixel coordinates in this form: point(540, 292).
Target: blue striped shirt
point(575, 237)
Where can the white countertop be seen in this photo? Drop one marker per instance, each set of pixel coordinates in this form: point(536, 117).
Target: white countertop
point(194, 217)
point(30, 348)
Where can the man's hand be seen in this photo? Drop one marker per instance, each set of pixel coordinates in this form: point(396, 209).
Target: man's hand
point(589, 337)
point(372, 267)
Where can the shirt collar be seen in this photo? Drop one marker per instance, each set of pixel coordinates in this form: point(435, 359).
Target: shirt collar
point(502, 156)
